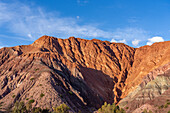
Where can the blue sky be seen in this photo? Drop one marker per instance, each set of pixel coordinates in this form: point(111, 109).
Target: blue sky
point(133, 22)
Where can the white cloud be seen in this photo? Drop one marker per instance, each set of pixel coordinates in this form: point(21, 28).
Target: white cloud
point(113, 40)
point(118, 41)
point(122, 41)
point(130, 34)
point(154, 39)
point(135, 42)
point(32, 23)
point(78, 17)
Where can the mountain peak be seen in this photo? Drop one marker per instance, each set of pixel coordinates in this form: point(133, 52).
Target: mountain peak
point(44, 41)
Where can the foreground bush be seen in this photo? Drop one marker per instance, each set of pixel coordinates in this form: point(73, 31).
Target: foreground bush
point(19, 107)
point(63, 108)
point(108, 108)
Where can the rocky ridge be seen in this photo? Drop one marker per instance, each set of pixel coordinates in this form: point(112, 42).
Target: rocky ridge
point(81, 73)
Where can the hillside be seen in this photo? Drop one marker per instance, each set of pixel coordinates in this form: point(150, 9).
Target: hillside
point(81, 73)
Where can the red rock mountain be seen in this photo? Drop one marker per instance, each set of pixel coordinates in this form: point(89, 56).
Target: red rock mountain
point(81, 73)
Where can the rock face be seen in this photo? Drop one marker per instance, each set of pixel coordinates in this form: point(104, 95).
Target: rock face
point(81, 73)
point(155, 85)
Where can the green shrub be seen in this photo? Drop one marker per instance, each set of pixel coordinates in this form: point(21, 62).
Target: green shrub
point(63, 108)
point(150, 111)
point(27, 98)
point(31, 101)
point(168, 103)
point(70, 92)
point(145, 111)
point(19, 107)
point(108, 108)
point(61, 95)
point(36, 110)
point(160, 107)
point(29, 107)
point(31, 79)
point(13, 96)
point(41, 95)
point(1, 105)
point(37, 69)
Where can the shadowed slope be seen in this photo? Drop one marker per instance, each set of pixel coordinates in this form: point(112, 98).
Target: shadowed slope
point(82, 73)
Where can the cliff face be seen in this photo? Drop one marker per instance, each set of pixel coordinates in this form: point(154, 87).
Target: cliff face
point(151, 93)
point(81, 73)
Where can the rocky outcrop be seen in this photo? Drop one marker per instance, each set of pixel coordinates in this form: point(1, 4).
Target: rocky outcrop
point(81, 73)
point(154, 86)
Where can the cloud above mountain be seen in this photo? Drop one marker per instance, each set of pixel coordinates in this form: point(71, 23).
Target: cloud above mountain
point(154, 39)
point(34, 22)
point(28, 22)
point(135, 42)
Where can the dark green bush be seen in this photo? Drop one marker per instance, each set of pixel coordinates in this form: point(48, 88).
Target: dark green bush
point(37, 69)
point(108, 108)
point(70, 92)
point(31, 101)
point(41, 95)
point(61, 95)
point(31, 79)
point(13, 96)
point(63, 108)
point(19, 107)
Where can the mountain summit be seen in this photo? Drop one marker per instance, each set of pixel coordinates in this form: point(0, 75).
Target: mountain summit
point(81, 73)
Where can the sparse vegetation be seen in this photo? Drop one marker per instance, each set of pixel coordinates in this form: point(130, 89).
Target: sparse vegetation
point(160, 107)
point(145, 111)
point(41, 95)
point(63, 108)
point(13, 96)
point(31, 79)
point(31, 101)
point(61, 95)
point(70, 92)
point(166, 105)
point(40, 84)
point(37, 69)
point(19, 107)
point(108, 108)
point(1, 105)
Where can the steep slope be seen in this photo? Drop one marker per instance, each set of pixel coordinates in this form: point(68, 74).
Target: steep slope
point(146, 59)
point(91, 70)
point(155, 85)
point(81, 73)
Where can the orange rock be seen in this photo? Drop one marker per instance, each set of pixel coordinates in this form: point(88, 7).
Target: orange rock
point(95, 71)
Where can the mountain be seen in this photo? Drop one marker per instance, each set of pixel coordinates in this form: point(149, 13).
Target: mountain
point(81, 73)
